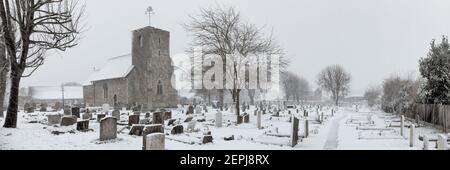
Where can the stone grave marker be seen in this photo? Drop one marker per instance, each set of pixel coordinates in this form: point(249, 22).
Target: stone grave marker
point(168, 115)
point(306, 128)
point(116, 114)
point(155, 141)
point(178, 129)
point(218, 121)
point(76, 112)
point(83, 125)
point(53, 119)
point(100, 117)
point(133, 119)
point(68, 121)
point(402, 126)
point(207, 139)
point(190, 110)
point(442, 143)
point(137, 130)
point(150, 129)
point(191, 126)
point(147, 115)
point(239, 119)
point(86, 116)
point(294, 131)
point(108, 128)
point(158, 118)
point(171, 122)
point(258, 120)
point(246, 118)
point(145, 121)
point(412, 136)
point(105, 108)
point(188, 119)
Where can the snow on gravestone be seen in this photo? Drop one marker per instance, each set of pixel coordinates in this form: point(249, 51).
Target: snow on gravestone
point(191, 126)
point(150, 129)
point(155, 141)
point(218, 121)
point(100, 117)
point(105, 108)
point(53, 119)
point(294, 131)
point(108, 128)
point(442, 142)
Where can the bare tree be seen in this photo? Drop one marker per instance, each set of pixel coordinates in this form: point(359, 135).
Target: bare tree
point(372, 95)
point(303, 90)
point(335, 80)
point(290, 85)
point(4, 68)
point(32, 29)
point(221, 31)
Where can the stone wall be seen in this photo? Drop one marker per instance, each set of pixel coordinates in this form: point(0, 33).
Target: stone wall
point(94, 95)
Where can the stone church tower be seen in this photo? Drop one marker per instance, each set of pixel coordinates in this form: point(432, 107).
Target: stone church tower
point(142, 78)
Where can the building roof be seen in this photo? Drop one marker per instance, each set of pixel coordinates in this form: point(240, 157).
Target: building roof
point(55, 92)
point(117, 67)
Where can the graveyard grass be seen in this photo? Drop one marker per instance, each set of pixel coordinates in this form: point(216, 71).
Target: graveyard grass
point(336, 132)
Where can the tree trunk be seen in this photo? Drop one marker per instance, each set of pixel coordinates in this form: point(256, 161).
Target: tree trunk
point(238, 111)
point(251, 95)
point(11, 114)
point(4, 67)
point(221, 99)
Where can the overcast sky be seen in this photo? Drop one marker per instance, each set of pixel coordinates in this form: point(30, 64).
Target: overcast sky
point(371, 39)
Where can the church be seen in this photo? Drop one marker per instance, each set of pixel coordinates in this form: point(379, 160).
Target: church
point(142, 78)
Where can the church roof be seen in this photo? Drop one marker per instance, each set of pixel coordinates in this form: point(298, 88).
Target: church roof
point(117, 67)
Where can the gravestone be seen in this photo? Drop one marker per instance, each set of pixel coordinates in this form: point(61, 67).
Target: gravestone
point(442, 143)
point(83, 125)
point(158, 118)
point(105, 108)
point(191, 126)
point(167, 115)
point(108, 128)
point(246, 118)
point(402, 126)
point(306, 128)
point(426, 142)
point(53, 119)
point(43, 107)
point(190, 110)
point(76, 111)
point(100, 117)
point(178, 129)
point(258, 120)
point(218, 121)
point(294, 131)
point(150, 129)
point(322, 118)
point(155, 141)
point(67, 110)
point(207, 139)
point(68, 121)
point(137, 113)
point(147, 115)
point(412, 136)
point(198, 110)
point(57, 106)
point(239, 119)
point(116, 114)
point(86, 116)
point(137, 130)
point(133, 119)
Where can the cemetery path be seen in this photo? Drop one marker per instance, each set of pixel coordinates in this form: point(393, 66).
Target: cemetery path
point(333, 135)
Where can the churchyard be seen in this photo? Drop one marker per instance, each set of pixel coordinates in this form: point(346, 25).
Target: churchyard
point(271, 127)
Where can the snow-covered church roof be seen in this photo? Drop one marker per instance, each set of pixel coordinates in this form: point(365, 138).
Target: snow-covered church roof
point(117, 67)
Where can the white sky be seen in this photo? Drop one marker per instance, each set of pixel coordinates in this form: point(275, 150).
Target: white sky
point(371, 39)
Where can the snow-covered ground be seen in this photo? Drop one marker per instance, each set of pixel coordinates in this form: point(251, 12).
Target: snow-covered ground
point(337, 132)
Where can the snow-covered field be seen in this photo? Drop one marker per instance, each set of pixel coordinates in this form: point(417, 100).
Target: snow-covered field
point(337, 132)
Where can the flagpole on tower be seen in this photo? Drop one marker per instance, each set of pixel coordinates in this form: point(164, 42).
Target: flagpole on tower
point(150, 12)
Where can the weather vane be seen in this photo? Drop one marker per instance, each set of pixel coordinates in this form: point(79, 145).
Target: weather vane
point(150, 12)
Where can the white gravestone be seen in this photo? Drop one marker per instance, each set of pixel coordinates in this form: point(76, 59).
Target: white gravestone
point(155, 141)
point(258, 121)
point(218, 121)
point(412, 136)
point(442, 142)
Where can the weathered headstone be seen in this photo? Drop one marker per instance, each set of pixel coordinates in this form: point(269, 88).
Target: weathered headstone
point(306, 128)
point(108, 128)
point(239, 119)
point(53, 119)
point(67, 110)
point(155, 141)
point(76, 112)
point(167, 115)
point(68, 121)
point(258, 120)
point(147, 115)
point(442, 143)
point(207, 139)
point(218, 121)
point(178, 129)
point(43, 107)
point(137, 130)
point(294, 131)
point(402, 126)
point(426, 142)
point(198, 110)
point(100, 117)
point(150, 129)
point(86, 116)
point(83, 125)
point(412, 136)
point(246, 118)
point(158, 118)
point(145, 121)
point(322, 118)
point(116, 114)
point(133, 119)
point(190, 110)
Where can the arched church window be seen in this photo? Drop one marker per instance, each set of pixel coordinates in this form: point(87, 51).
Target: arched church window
point(105, 91)
point(159, 88)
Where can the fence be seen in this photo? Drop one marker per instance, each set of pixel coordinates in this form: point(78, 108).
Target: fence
point(432, 113)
